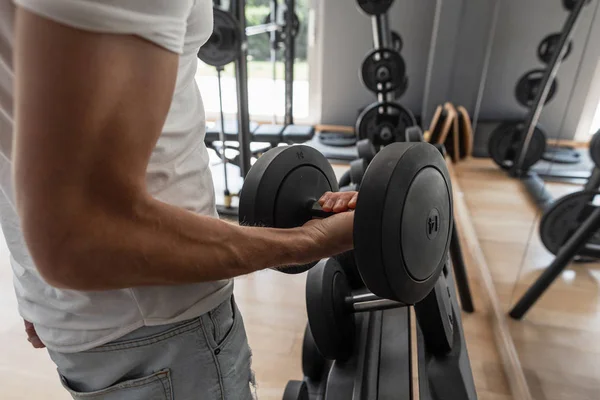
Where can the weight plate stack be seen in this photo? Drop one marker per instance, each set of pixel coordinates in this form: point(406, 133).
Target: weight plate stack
point(384, 123)
point(549, 46)
point(224, 45)
point(504, 144)
point(280, 185)
point(564, 217)
point(529, 86)
point(383, 70)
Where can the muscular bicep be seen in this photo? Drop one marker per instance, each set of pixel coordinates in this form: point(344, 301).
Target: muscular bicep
point(89, 109)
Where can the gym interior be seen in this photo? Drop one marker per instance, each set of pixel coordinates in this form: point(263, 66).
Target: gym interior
point(470, 130)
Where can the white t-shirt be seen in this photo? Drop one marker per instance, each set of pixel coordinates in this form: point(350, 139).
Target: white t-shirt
point(178, 173)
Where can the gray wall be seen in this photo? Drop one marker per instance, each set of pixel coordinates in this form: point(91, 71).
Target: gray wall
point(458, 57)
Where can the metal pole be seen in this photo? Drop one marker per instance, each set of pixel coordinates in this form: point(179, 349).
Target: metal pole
point(274, 45)
point(535, 112)
point(226, 193)
point(382, 38)
point(566, 253)
point(290, 55)
point(373, 305)
point(241, 73)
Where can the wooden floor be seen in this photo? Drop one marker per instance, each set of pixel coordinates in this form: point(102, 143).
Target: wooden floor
point(558, 342)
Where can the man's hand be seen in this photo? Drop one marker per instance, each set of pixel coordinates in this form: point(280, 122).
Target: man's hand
point(335, 232)
point(338, 201)
point(32, 336)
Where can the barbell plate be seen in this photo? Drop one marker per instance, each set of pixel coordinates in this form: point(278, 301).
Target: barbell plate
point(224, 45)
point(375, 7)
point(549, 45)
point(528, 86)
point(281, 185)
point(383, 70)
point(384, 123)
point(313, 363)
point(569, 5)
point(331, 323)
point(403, 221)
point(504, 143)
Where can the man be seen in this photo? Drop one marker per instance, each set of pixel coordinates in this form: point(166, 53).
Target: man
point(121, 268)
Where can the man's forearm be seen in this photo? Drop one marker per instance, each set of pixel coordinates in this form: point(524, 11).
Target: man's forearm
point(164, 245)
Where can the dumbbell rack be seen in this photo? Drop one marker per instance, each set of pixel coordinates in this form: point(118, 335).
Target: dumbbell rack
point(382, 361)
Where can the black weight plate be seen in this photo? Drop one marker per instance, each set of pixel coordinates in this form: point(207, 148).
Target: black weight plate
point(357, 170)
point(436, 318)
point(569, 5)
point(348, 264)
point(224, 45)
point(564, 216)
point(281, 186)
point(549, 46)
point(296, 390)
point(529, 85)
point(365, 150)
point(397, 42)
point(375, 7)
point(331, 323)
point(504, 143)
point(383, 70)
point(595, 149)
point(403, 221)
point(280, 35)
point(384, 123)
point(313, 363)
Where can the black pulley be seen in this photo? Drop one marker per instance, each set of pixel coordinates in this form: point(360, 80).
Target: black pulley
point(563, 218)
point(569, 5)
point(504, 142)
point(549, 46)
point(281, 21)
point(375, 7)
point(224, 45)
point(595, 149)
point(530, 84)
point(397, 42)
point(384, 123)
point(383, 70)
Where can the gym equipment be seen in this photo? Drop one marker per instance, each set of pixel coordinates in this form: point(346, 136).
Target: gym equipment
point(397, 42)
point(283, 187)
point(295, 390)
point(366, 150)
point(357, 170)
point(384, 123)
point(223, 46)
point(549, 46)
point(569, 5)
point(313, 363)
point(337, 139)
point(279, 25)
point(383, 70)
point(414, 134)
point(331, 306)
point(530, 84)
point(564, 217)
point(595, 149)
point(562, 155)
point(348, 264)
point(504, 142)
point(375, 7)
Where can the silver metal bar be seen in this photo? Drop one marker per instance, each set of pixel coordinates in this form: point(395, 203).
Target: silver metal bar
point(362, 297)
point(262, 28)
point(381, 304)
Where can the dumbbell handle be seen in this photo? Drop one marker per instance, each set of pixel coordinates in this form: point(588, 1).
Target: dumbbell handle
point(370, 302)
point(316, 211)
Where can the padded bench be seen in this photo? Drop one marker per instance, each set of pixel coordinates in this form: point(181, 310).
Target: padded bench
point(298, 133)
point(268, 133)
point(231, 131)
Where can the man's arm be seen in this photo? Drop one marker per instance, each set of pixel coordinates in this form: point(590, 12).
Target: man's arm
point(89, 110)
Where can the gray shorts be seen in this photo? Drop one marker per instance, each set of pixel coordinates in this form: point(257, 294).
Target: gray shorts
point(204, 358)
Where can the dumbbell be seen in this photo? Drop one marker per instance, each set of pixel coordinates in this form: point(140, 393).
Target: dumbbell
point(402, 219)
point(358, 168)
point(295, 390)
point(313, 362)
point(414, 134)
point(331, 305)
point(366, 150)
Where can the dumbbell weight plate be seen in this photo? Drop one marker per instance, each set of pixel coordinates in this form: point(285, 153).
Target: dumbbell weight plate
point(383, 70)
point(366, 150)
point(357, 170)
point(225, 43)
point(504, 143)
point(279, 187)
point(403, 221)
point(384, 123)
point(529, 85)
point(331, 324)
point(296, 390)
point(414, 134)
point(313, 363)
point(436, 318)
point(564, 216)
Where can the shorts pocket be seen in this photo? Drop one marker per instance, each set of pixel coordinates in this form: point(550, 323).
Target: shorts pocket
point(221, 324)
point(153, 387)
